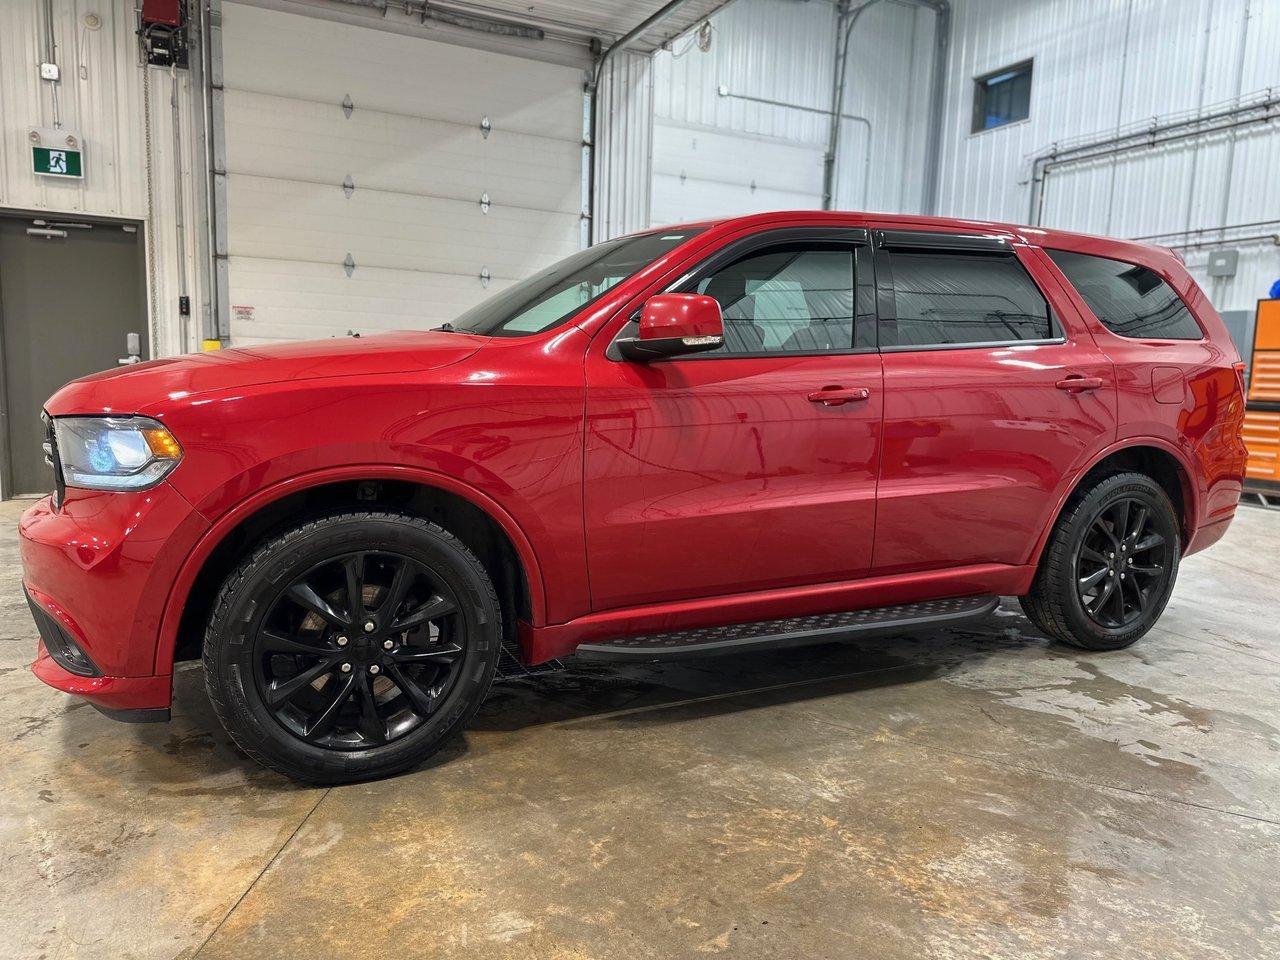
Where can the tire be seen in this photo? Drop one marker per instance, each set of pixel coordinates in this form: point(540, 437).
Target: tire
point(352, 647)
point(1084, 556)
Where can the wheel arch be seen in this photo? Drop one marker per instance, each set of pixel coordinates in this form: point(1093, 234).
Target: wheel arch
point(1156, 458)
point(480, 523)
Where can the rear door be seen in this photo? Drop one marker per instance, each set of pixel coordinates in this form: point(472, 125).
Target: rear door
point(754, 466)
point(994, 393)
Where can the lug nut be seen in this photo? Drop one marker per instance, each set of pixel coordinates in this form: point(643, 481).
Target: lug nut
point(1122, 576)
point(388, 644)
point(368, 626)
point(346, 668)
point(342, 641)
point(374, 669)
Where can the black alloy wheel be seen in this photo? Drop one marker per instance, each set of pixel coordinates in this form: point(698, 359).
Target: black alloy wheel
point(359, 650)
point(1123, 564)
point(352, 646)
point(1109, 565)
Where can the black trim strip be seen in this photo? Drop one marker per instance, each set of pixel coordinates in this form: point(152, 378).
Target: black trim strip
point(138, 715)
point(927, 240)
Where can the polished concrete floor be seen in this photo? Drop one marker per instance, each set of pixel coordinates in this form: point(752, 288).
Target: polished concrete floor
point(959, 793)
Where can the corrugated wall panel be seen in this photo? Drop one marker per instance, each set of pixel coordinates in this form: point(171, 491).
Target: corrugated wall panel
point(1101, 65)
point(784, 51)
point(625, 148)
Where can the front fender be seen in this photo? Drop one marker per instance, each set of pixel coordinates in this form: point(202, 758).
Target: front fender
point(247, 507)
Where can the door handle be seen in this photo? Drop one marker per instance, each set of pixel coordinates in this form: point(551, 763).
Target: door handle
point(834, 396)
point(1078, 384)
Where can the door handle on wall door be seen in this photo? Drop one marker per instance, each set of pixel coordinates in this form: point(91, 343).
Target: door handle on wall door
point(1078, 384)
point(834, 396)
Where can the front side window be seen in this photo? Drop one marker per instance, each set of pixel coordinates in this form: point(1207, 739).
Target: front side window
point(1002, 97)
point(795, 298)
point(1129, 300)
point(559, 292)
point(950, 299)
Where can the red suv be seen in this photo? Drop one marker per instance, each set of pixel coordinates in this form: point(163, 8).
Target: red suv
point(707, 438)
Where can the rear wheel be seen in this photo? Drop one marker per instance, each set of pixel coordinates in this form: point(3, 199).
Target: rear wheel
point(352, 646)
point(1109, 567)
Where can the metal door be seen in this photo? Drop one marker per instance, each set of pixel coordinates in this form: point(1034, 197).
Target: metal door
point(71, 293)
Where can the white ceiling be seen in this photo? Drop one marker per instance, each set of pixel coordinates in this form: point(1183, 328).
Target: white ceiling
point(583, 19)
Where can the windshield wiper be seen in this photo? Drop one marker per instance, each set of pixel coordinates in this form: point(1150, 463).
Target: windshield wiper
point(445, 327)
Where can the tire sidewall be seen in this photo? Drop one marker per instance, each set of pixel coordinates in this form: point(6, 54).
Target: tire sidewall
point(250, 594)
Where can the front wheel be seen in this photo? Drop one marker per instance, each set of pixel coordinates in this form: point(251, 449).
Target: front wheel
point(1109, 567)
point(352, 646)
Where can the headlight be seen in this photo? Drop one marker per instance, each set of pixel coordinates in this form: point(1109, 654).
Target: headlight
point(115, 453)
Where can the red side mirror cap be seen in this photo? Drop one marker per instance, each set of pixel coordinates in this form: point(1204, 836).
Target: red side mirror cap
point(672, 324)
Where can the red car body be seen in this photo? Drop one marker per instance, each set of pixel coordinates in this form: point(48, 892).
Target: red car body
point(641, 498)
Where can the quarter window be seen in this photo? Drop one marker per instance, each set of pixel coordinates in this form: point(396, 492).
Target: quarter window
point(1129, 300)
point(950, 299)
point(791, 299)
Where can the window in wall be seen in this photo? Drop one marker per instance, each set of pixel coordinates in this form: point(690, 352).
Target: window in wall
point(957, 298)
point(1129, 300)
point(792, 299)
point(1002, 97)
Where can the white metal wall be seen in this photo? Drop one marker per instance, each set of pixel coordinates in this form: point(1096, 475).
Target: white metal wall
point(1101, 65)
point(101, 97)
point(719, 156)
point(625, 146)
point(716, 156)
point(420, 164)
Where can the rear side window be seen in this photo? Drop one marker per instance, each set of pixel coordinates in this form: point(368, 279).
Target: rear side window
point(1129, 300)
point(952, 299)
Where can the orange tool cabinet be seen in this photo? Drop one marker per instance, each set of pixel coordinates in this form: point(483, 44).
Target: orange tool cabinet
point(1262, 407)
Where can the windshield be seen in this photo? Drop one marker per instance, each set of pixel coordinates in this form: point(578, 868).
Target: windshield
point(551, 297)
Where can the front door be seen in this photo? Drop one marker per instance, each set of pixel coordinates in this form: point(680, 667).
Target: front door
point(71, 292)
point(752, 467)
point(992, 398)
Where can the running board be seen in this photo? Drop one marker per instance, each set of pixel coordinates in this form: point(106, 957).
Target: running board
point(791, 631)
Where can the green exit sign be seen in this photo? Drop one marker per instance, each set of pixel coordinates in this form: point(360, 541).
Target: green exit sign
point(57, 162)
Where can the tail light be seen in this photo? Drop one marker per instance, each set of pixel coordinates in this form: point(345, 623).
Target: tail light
point(1239, 367)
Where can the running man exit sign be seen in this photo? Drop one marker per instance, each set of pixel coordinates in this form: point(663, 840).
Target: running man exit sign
point(56, 153)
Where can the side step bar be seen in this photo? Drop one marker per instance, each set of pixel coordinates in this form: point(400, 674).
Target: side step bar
point(791, 631)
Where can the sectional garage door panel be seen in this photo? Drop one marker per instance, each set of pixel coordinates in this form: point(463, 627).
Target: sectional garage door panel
point(289, 220)
point(285, 297)
point(307, 58)
point(419, 165)
point(411, 155)
point(701, 173)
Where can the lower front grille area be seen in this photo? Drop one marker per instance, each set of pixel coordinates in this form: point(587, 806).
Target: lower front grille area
point(64, 650)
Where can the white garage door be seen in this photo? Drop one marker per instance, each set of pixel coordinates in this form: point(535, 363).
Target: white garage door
point(701, 173)
point(413, 148)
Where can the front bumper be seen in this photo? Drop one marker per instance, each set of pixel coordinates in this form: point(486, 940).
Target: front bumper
point(97, 572)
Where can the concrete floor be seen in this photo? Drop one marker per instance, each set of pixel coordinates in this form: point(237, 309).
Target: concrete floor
point(959, 793)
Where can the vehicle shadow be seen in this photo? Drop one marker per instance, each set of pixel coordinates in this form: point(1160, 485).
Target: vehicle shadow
point(194, 755)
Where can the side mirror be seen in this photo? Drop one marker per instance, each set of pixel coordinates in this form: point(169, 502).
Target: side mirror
point(673, 324)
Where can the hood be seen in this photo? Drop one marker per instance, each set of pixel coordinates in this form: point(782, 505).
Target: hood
point(131, 389)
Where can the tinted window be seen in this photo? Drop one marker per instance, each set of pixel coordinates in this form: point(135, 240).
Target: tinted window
point(564, 288)
point(1129, 300)
point(792, 299)
point(1002, 97)
point(956, 298)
